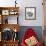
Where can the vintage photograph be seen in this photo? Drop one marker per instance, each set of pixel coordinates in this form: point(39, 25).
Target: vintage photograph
point(30, 13)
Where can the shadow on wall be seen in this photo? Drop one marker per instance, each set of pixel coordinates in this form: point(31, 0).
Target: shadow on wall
point(37, 29)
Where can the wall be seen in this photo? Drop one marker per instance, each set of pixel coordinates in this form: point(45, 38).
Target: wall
point(39, 13)
point(27, 3)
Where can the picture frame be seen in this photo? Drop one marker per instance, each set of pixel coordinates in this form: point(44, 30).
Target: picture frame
point(5, 12)
point(30, 13)
point(13, 12)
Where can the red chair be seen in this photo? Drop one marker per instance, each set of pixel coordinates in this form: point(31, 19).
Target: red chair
point(29, 33)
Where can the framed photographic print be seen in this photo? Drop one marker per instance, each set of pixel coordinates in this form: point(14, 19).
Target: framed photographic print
point(30, 13)
point(5, 12)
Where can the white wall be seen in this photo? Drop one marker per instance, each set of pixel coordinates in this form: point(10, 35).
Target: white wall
point(27, 3)
point(39, 13)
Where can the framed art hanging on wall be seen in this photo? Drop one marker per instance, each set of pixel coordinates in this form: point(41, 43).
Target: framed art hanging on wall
point(30, 13)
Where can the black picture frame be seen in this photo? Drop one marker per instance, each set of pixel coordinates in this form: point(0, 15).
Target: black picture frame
point(30, 13)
